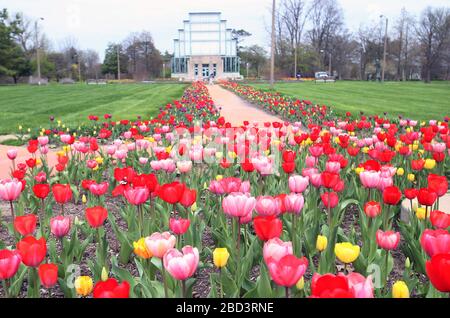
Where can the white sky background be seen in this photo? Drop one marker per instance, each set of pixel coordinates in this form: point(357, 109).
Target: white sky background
point(94, 23)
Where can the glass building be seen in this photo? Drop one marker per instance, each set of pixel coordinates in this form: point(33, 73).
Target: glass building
point(205, 47)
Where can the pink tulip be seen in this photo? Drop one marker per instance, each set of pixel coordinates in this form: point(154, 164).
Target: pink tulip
point(121, 154)
point(111, 150)
point(143, 161)
point(298, 184)
point(9, 263)
point(41, 177)
point(99, 189)
point(293, 203)
point(159, 243)
point(384, 183)
point(246, 218)
point(245, 187)
point(238, 204)
point(179, 226)
point(370, 179)
point(60, 226)
point(181, 265)
point(316, 151)
point(92, 164)
point(310, 161)
point(333, 166)
point(316, 180)
point(43, 140)
point(137, 196)
point(362, 286)
point(388, 240)
point(288, 270)
point(435, 242)
point(10, 190)
point(267, 205)
point(65, 138)
point(184, 166)
point(276, 249)
point(12, 154)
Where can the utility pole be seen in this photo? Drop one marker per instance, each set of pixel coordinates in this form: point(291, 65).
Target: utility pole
point(38, 58)
point(164, 70)
point(248, 69)
point(272, 54)
point(384, 51)
point(329, 64)
point(79, 68)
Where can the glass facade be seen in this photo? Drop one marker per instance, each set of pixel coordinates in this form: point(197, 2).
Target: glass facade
point(205, 34)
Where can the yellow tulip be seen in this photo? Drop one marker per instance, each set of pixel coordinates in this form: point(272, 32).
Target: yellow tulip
point(140, 249)
point(321, 243)
point(300, 284)
point(359, 170)
point(220, 257)
point(400, 290)
point(365, 150)
point(420, 213)
point(83, 285)
point(219, 177)
point(104, 275)
point(430, 164)
point(38, 162)
point(411, 177)
point(83, 199)
point(194, 207)
point(400, 172)
point(346, 252)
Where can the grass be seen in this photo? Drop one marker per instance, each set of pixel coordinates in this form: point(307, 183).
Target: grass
point(31, 106)
point(414, 100)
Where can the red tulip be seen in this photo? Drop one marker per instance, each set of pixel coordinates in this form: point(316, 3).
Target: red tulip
point(188, 197)
point(62, 193)
point(112, 289)
point(435, 242)
point(388, 240)
point(267, 227)
point(146, 180)
point(440, 219)
point(32, 251)
point(438, 271)
point(41, 190)
point(48, 274)
point(26, 224)
point(392, 195)
point(330, 286)
point(330, 199)
point(9, 263)
point(372, 209)
point(438, 184)
point(288, 270)
point(411, 193)
point(96, 216)
point(329, 179)
point(288, 167)
point(426, 197)
point(124, 174)
point(179, 226)
point(171, 192)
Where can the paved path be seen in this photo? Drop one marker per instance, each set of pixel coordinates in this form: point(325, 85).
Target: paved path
point(236, 110)
point(22, 155)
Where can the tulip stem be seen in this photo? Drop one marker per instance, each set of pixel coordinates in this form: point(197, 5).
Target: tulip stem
point(221, 283)
point(287, 292)
point(163, 273)
point(183, 288)
point(62, 209)
point(386, 261)
point(6, 287)
point(11, 204)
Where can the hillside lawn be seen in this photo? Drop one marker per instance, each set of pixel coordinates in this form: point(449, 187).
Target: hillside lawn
point(415, 100)
point(32, 106)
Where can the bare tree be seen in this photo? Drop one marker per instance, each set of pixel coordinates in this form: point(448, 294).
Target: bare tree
point(295, 14)
point(327, 21)
point(433, 33)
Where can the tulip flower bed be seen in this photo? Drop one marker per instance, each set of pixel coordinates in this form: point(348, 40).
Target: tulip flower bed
point(187, 206)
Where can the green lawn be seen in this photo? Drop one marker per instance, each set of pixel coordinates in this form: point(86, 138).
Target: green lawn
point(31, 106)
point(414, 100)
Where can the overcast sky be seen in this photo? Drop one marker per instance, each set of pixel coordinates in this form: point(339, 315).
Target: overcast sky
point(94, 23)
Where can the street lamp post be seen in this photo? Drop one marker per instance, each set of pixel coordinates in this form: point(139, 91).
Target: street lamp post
point(384, 49)
point(38, 58)
point(248, 68)
point(164, 70)
point(118, 62)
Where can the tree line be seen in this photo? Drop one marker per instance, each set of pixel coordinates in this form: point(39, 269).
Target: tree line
point(312, 36)
point(21, 41)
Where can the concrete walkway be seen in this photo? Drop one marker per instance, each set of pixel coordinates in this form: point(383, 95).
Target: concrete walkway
point(236, 110)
